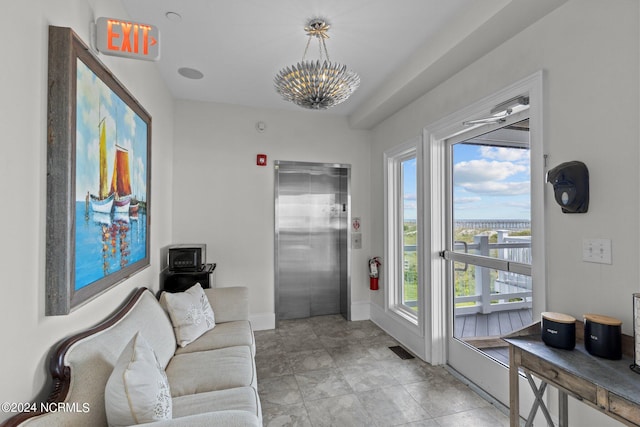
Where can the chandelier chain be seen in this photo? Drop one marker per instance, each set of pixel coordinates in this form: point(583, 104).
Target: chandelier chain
point(322, 46)
point(306, 49)
point(326, 52)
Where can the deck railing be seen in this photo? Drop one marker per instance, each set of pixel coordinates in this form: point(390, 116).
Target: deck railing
point(492, 291)
point(498, 290)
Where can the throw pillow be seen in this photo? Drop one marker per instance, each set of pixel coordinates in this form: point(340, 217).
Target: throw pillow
point(190, 313)
point(137, 390)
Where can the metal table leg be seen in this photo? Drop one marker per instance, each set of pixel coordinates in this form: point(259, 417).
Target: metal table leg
point(563, 411)
point(539, 403)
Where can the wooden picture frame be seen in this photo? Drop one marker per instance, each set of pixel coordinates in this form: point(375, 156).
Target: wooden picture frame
point(98, 177)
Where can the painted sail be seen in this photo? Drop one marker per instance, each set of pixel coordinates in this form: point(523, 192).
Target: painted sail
point(121, 181)
point(103, 202)
point(104, 190)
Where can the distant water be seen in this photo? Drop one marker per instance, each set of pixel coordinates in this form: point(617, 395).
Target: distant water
point(106, 243)
point(494, 224)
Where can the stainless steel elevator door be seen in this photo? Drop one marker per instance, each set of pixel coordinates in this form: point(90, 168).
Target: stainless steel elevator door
point(311, 226)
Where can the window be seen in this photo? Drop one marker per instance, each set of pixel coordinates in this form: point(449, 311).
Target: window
point(403, 226)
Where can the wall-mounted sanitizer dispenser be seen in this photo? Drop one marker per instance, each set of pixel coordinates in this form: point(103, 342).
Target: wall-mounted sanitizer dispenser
point(570, 182)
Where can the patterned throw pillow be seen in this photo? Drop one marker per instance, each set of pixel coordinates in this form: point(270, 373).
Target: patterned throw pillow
point(137, 390)
point(190, 313)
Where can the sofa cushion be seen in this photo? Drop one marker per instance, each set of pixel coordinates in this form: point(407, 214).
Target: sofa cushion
point(137, 390)
point(219, 418)
point(190, 313)
point(203, 371)
point(227, 334)
point(229, 304)
point(239, 398)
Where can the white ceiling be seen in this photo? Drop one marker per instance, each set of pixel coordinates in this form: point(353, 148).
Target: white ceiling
point(239, 45)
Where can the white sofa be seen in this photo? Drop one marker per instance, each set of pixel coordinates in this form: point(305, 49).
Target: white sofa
point(212, 380)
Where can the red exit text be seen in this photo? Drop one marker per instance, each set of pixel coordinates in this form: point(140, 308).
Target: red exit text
point(128, 39)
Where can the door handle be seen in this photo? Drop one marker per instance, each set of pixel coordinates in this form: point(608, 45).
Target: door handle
point(466, 251)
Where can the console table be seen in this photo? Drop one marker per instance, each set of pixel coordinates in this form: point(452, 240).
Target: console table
point(606, 385)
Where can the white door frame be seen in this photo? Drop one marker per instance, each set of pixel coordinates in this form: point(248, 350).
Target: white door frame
point(435, 219)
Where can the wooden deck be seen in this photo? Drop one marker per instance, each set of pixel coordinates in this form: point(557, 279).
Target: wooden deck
point(483, 331)
point(492, 324)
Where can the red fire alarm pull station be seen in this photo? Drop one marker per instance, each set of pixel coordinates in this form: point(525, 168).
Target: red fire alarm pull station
point(261, 160)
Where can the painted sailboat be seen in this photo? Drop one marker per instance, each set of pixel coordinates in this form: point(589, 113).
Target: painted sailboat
point(121, 181)
point(134, 207)
point(116, 198)
point(103, 202)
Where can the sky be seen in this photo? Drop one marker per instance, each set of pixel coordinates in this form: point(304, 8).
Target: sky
point(409, 174)
point(490, 182)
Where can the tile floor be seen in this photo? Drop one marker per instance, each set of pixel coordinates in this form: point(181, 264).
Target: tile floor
point(325, 371)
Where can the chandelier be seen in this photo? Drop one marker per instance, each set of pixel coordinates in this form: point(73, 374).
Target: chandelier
point(319, 84)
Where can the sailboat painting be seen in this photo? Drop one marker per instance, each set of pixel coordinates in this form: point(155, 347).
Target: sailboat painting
point(111, 181)
point(98, 177)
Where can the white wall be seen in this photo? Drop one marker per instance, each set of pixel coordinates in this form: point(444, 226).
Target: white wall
point(27, 334)
point(589, 52)
point(224, 200)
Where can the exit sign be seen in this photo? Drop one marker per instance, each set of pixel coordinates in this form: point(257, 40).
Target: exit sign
point(117, 37)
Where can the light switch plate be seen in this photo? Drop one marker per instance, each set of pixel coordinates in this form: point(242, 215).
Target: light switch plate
point(596, 250)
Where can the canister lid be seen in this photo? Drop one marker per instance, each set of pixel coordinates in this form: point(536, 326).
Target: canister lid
point(603, 320)
point(558, 317)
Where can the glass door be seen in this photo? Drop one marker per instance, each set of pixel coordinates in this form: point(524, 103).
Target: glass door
point(489, 249)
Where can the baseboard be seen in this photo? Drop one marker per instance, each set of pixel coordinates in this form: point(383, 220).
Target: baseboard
point(262, 321)
point(360, 310)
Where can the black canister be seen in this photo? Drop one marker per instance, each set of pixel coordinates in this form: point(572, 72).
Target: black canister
point(558, 330)
point(603, 336)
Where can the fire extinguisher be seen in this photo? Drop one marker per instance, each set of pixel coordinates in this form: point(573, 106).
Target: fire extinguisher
point(374, 263)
